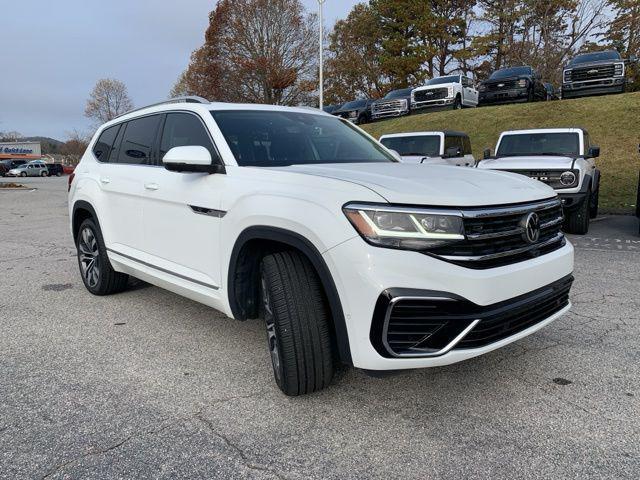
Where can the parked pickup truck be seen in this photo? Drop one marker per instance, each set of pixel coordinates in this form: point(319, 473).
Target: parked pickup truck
point(594, 73)
point(454, 91)
point(396, 103)
point(512, 85)
point(442, 148)
point(563, 158)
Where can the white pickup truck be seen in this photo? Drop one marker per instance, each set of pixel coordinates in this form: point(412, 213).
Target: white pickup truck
point(436, 148)
point(563, 158)
point(453, 91)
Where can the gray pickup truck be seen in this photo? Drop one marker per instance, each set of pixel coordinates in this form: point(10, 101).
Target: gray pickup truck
point(595, 73)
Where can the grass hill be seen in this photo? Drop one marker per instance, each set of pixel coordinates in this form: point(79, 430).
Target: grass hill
point(613, 121)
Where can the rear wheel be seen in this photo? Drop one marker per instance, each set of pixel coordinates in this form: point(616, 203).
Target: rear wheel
point(297, 320)
point(578, 221)
point(44, 174)
point(98, 275)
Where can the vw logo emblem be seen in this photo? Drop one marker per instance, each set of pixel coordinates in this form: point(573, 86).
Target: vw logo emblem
point(531, 225)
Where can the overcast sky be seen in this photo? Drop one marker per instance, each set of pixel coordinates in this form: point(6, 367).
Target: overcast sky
point(54, 52)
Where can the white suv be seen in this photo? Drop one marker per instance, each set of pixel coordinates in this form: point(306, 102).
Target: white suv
point(302, 219)
point(432, 148)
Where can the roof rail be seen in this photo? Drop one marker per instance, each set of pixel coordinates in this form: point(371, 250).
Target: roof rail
point(186, 99)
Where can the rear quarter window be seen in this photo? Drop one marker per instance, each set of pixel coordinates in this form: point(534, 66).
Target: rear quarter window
point(103, 147)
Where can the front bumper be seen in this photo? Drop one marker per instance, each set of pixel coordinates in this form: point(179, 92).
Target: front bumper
point(444, 102)
point(389, 113)
point(572, 201)
point(593, 87)
point(504, 96)
point(363, 272)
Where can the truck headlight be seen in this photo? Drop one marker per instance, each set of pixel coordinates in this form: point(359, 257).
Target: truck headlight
point(450, 92)
point(618, 69)
point(568, 178)
point(482, 87)
point(405, 228)
point(522, 82)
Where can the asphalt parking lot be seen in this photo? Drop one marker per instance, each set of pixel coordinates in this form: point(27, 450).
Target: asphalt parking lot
point(147, 384)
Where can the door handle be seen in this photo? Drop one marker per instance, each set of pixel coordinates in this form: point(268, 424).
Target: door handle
point(105, 180)
point(151, 186)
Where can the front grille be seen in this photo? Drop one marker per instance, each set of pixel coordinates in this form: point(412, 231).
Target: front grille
point(590, 73)
point(495, 237)
point(548, 177)
point(390, 106)
point(505, 85)
point(431, 326)
point(431, 94)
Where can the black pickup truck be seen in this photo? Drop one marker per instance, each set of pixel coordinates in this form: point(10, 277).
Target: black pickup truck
point(594, 73)
point(512, 85)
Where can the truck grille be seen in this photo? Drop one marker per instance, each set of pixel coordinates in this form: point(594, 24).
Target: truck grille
point(405, 326)
point(431, 94)
point(590, 73)
point(506, 85)
point(495, 237)
point(389, 106)
point(549, 177)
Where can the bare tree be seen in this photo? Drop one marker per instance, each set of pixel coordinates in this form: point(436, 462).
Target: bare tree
point(10, 136)
point(108, 99)
point(75, 145)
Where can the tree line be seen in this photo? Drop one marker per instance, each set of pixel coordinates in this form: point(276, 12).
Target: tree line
point(265, 51)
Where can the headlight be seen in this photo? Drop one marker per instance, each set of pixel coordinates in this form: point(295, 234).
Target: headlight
point(406, 228)
point(353, 114)
point(567, 178)
point(522, 83)
point(450, 91)
point(618, 69)
point(482, 88)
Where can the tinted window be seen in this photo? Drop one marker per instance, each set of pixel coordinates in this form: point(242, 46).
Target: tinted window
point(566, 144)
point(355, 104)
point(184, 129)
point(104, 145)
point(453, 141)
point(418, 145)
point(405, 92)
point(440, 80)
point(595, 57)
point(137, 142)
point(511, 72)
point(278, 138)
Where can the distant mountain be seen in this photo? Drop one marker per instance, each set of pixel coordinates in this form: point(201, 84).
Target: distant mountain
point(49, 145)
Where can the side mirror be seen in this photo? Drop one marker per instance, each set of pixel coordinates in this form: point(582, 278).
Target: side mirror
point(194, 158)
point(486, 154)
point(396, 155)
point(594, 152)
point(453, 152)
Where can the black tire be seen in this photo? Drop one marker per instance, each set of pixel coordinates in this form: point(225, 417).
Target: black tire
point(102, 279)
point(457, 104)
point(594, 203)
point(58, 174)
point(531, 97)
point(297, 320)
point(578, 221)
point(23, 174)
point(44, 174)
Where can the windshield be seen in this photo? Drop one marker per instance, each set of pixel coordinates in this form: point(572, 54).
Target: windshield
point(565, 144)
point(418, 145)
point(405, 92)
point(441, 80)
point(596, 57)
point(263, 138)
point(355, 104)
point(510, 72)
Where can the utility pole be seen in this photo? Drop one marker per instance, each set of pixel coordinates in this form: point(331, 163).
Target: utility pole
point(320, 4)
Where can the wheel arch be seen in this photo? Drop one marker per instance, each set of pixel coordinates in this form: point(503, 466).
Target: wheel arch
point(250, 246)
point(81, 211)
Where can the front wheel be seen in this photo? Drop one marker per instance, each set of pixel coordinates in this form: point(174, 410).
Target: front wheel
point(297, 319)
point(578, 221)
point(594, 203)
point(457, 104)
point(23, 174)
point(98, 275)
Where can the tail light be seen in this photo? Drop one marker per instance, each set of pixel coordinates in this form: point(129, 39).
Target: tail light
point(71, 177)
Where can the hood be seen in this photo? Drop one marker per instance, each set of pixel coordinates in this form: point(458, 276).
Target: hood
point(533, 162)
point(593, 64)
point(505, 80)
point(432, 87)
point(388, 100)
point(424, 160)
point(433, 185)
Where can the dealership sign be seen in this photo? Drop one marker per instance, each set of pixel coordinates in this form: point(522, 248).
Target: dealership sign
point(16, 150)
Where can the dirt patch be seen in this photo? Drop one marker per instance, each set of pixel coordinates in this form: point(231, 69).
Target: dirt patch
point(11, 185)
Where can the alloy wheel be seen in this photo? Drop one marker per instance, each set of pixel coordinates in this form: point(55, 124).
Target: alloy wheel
point(89, 257)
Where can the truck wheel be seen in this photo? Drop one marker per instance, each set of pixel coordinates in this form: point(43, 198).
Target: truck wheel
point(457, 104)
point(531, 97)
point(594, 204)
point(297, 320)
point(578, 221)
point(98, 275)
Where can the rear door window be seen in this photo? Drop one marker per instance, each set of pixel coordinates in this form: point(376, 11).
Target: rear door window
point(137, 141)
point(453, 141)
